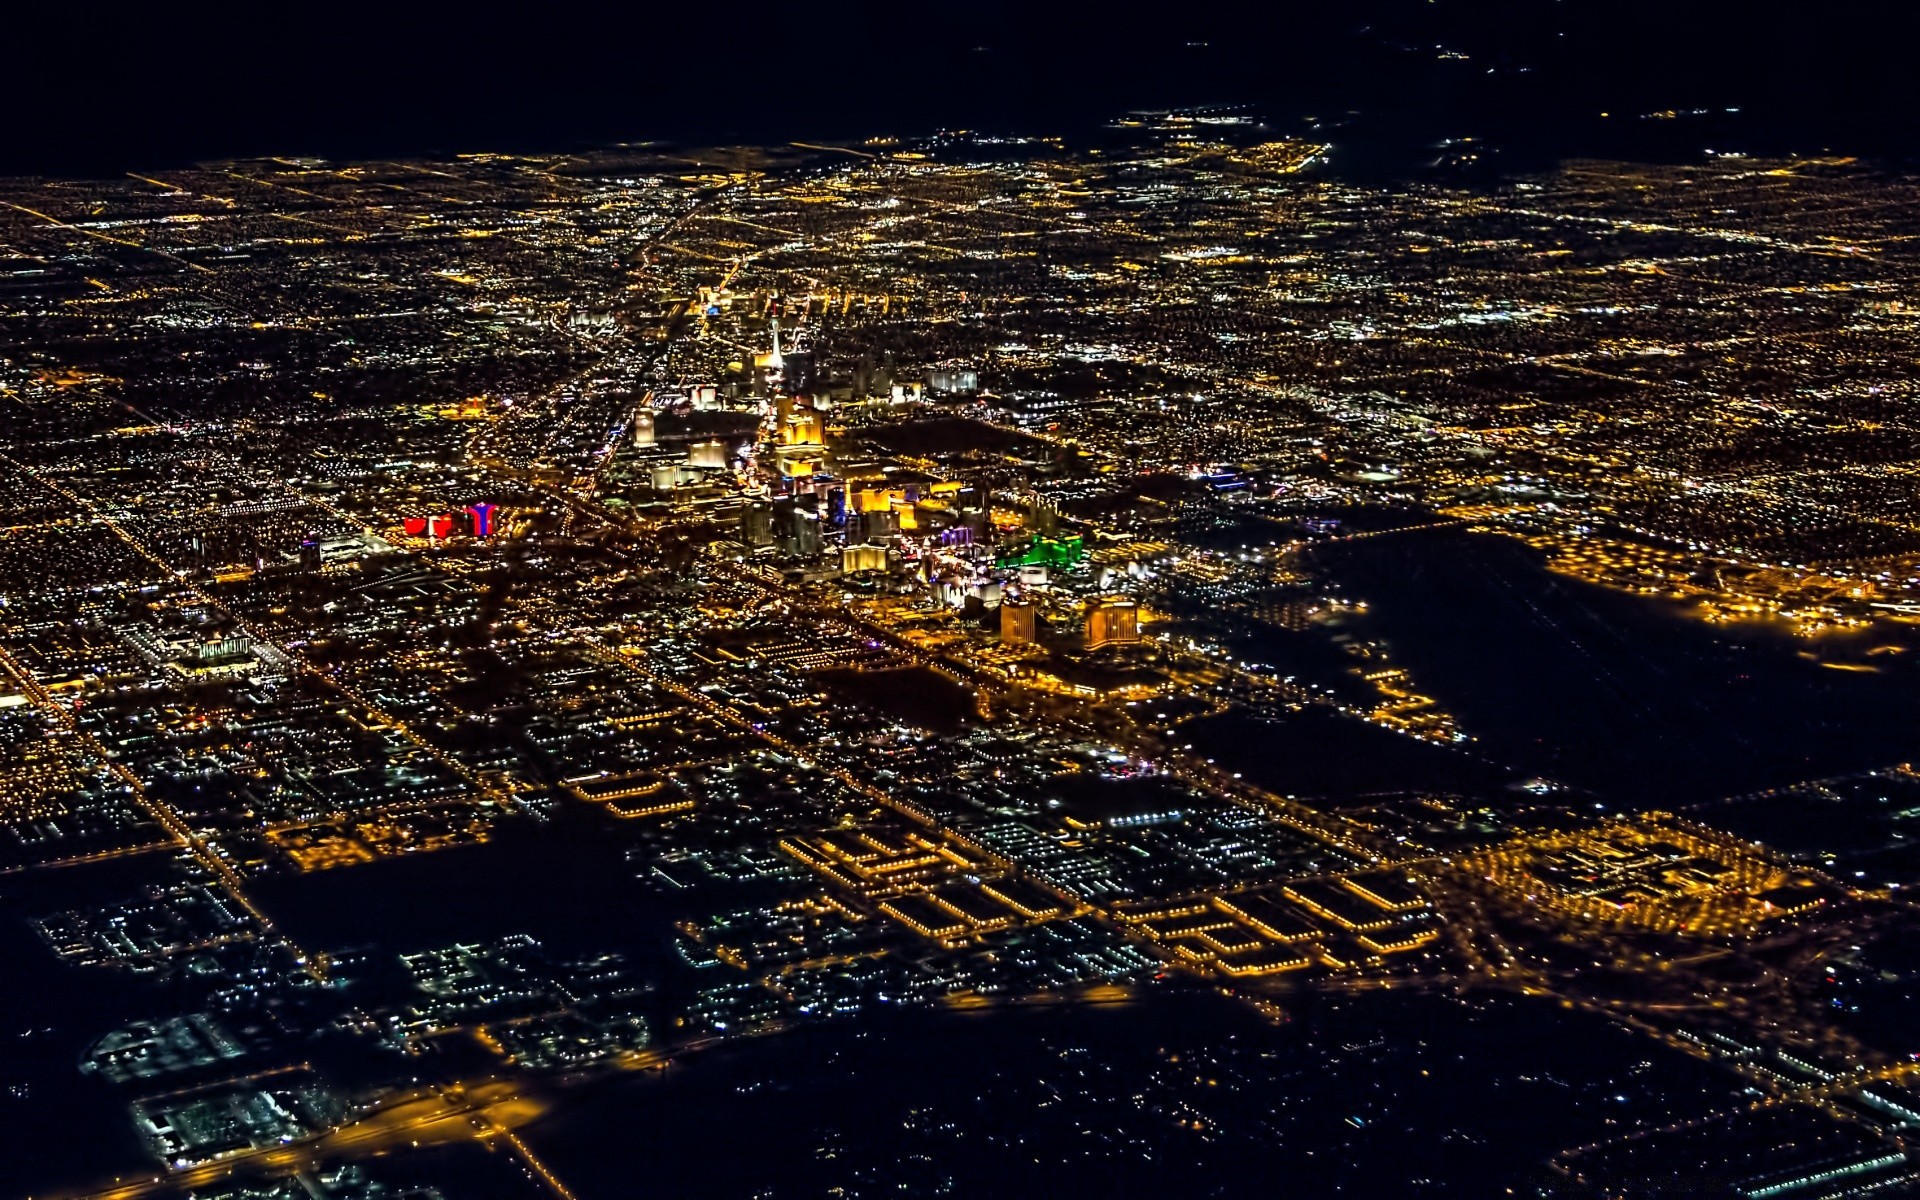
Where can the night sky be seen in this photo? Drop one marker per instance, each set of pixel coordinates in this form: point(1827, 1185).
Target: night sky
point(98, 93)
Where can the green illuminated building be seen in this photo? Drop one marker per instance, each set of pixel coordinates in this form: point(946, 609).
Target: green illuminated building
point(1046, 552)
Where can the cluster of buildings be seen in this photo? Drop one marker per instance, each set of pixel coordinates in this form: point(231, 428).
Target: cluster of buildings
point(861, 549)
point(1333, 922)
point(1659, 872)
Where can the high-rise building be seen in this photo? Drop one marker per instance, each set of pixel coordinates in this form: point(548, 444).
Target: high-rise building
point(798, 425)
point(954, 380)
point(865, 557)
point(756, 525)
point(871, 498)
point(1016, 623)
point(806, 535)
point(796, 526)
point(799, 371)
point(874, 526)
point(1112, 621)
point(482, 514)
point(710, 456)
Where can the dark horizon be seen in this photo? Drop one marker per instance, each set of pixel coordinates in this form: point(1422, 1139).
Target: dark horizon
point(1531, 77)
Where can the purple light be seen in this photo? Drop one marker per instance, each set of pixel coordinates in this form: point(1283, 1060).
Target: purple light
point(482, 519)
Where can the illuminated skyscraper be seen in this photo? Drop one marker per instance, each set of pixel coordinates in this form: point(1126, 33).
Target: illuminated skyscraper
point(1016, 623)
point(1112, 621)
point(796, 525)
point(866, 557)
point(482, 514)
point(798, 425)
point(756, 525)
